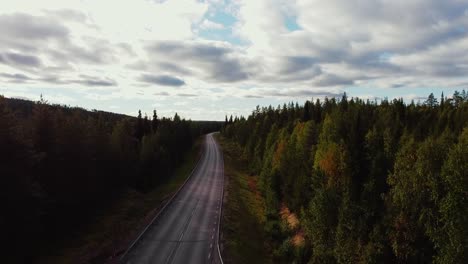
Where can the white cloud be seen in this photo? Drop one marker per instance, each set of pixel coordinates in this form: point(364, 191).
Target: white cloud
point(210, 25)
point(131, 48)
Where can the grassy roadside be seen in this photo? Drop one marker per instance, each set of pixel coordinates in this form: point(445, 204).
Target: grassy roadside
point(243, 238)
point(119, 225)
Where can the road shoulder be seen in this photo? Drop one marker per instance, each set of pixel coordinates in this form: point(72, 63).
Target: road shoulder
point(242, 234)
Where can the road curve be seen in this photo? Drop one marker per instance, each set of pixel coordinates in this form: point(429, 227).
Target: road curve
point(186, 231)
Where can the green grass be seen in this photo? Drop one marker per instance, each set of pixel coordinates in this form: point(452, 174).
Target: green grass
point(243, 238)
point(115, 228)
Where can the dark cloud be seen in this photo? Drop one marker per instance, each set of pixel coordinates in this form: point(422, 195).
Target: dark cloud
point(448, 70)
point(332, 80)
point(187, 95)
point(162, 80)
point(52, 80)
point(97, 82)
point(302, 75)
point(94, 81)
point(253, 96)
point(192, 50)
point(16, 78)
point(365, 34)
point(16, 59)
point(294, 64)
point(84, 80)
point(171, 67)
point(374, 61)
point(229, 70)
point(291, 69)
point(217, 63)
point(398, 85)
point(27, 27)
point(39, 36)
point(209, 51)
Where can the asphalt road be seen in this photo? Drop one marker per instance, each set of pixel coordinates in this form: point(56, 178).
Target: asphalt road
point(186, 230)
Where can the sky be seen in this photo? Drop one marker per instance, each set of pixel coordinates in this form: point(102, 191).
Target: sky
point(207, 59)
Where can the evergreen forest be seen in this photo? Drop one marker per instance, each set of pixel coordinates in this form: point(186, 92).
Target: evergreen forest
point(370, 182)
point(62, 165)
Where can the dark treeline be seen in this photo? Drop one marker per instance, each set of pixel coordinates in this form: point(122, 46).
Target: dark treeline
point(61, 165)
point(371, 182)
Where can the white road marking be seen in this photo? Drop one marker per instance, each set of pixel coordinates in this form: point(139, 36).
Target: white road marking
point(214, 177)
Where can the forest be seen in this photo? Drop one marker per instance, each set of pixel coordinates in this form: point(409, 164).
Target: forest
point(370, 182)
point(61, 165)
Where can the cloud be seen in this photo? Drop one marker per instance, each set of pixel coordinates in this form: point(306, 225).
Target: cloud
point(94, 51)
point(212, 61)
point(253, 96)
point(302, 93)
point(333, 80)
point(17, 59)
point(20, 26)
point(294, 64)
point(443, 60)
point(16, 77)
point(375, 25)
point(187, 95)
point(172, 67)
point(217, 90)
point(215, 49)
point(294, 69)
point(68, 14)
point(34, 36)
point(94, 81)
point(84, 80)
point(210, 25)
point(354, 36)
point(165, 80)
point(161, 94)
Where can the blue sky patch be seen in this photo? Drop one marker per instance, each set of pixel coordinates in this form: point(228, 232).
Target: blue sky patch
point(291, 24)
point(225, 34)
point(222, 17)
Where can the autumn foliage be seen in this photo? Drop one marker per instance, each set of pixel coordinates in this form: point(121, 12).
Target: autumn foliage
point(370, 182)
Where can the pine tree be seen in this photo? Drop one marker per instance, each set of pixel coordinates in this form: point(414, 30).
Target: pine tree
point(154, 122)
point(139, 132)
